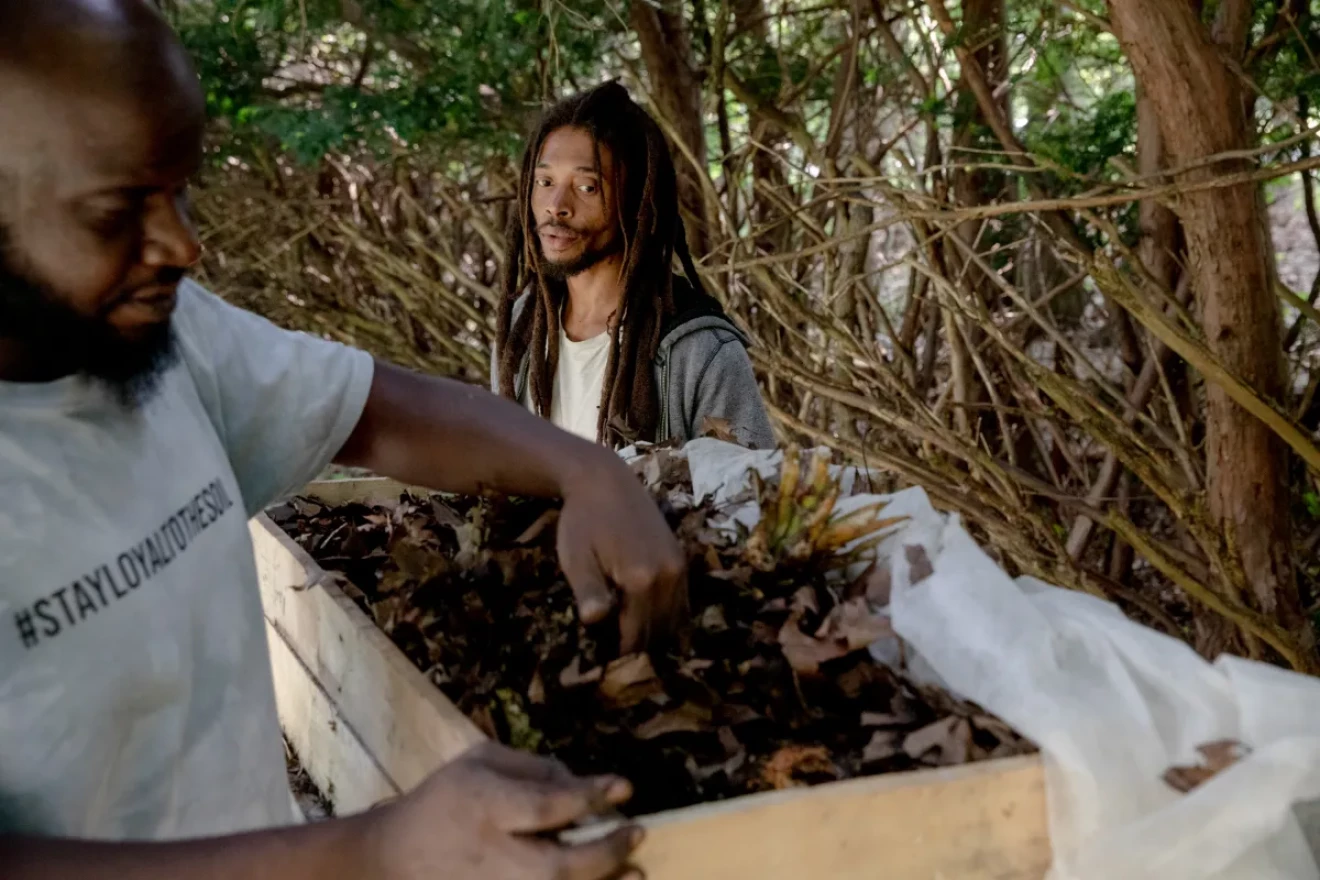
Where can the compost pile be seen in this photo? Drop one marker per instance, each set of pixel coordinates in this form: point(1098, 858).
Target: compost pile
point(769, 685)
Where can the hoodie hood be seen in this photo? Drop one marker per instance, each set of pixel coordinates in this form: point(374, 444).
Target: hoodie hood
point(694, 313)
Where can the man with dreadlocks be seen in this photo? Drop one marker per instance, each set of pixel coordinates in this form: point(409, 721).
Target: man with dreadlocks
point(596, 332)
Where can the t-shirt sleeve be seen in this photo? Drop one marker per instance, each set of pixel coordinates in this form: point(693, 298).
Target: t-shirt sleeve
point(283, 403)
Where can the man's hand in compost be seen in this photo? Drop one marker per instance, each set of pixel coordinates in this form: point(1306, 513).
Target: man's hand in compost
point(487, 816)
point(614, 545)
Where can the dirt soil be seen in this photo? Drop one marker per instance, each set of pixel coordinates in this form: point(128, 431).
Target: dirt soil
point(314, 805)
point(768, 686)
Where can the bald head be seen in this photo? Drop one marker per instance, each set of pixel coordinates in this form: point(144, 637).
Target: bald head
point(101, 123)
point(83, 51)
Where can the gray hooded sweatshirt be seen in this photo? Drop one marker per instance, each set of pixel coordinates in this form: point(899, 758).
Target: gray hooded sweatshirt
point(701, 370)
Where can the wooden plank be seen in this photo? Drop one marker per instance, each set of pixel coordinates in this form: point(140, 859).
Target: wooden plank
point(328, 747)
point(403, 720)
point(984, 821)
point(369, 490)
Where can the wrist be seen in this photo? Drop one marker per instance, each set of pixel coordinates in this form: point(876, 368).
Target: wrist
point(363, 848)
point(584, 465)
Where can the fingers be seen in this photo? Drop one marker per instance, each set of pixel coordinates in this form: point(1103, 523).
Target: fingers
point(592, 591)
point(599, 859)
point(522, 806)
point(653, 600)
point(635, 614)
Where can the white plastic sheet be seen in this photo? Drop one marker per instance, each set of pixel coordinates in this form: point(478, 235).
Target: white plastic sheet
point(1112, 704)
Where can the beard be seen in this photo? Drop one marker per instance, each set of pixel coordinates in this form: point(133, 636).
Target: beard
point(562, 271)
point(43, 323)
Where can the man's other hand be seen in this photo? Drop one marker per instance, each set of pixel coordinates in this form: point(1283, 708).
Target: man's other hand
point(612, 537)
point(487, 816)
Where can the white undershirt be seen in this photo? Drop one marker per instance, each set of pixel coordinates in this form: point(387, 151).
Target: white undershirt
point(579, 383)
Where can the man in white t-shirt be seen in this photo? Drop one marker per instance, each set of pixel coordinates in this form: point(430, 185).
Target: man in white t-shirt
point(597, 333)
point(142, 421)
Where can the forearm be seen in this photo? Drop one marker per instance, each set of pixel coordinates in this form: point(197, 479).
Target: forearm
point(336, 850)
point(453, 437)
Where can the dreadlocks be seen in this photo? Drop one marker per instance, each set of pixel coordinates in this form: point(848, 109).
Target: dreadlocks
point(646, 205)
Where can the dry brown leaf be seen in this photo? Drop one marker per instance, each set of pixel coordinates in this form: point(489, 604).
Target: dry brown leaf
point(850, 626)
point(536, 690)
point(720, 429)
point(739, 574)
point(573, 676)
point(784, 766)
point(729, 740)
point(728, 767)
point(536, 529)
point(690, 668)
point(444, 514)
point(854, 623)
point(734, 714)
point(919, 567)
point(736, 757)
point(663, 469)
point(688, 718)
point(630, 680)
point(416, 561)
point(804, 653)
point(307, 507)
point(484, 719)
point(854, 681)
point(1216, 756)
point(879, 584)
point(712, 619)
point(950, 737)
point(765, 633)
point(805, 600)
point(887, 719)
point(884, 745)
point(713, 562)
point(993, 726)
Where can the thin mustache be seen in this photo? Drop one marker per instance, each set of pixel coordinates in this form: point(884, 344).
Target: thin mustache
point(163, 278)
point(557, 225)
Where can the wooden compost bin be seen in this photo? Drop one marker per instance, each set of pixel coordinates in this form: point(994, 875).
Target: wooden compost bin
point(367, 725)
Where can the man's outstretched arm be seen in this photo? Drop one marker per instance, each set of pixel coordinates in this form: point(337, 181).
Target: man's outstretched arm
point(330, 851)
point(457, 438)
point(481, 817)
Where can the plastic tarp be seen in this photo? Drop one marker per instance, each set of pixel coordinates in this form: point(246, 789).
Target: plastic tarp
point(1112, 704)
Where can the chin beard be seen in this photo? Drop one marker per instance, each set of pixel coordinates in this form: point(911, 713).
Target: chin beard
point(576, 266)
point(130, 369)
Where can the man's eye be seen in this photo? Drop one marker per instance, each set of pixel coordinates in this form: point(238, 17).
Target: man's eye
point(543, 181)
point(587, 188)
point(111, 222)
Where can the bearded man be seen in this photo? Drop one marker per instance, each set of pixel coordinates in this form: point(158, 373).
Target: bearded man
point(142, 421)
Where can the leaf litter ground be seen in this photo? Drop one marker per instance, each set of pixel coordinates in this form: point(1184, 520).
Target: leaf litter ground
point(768, 686)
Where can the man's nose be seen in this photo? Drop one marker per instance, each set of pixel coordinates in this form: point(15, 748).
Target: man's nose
point(171, 238)
point(560, 205)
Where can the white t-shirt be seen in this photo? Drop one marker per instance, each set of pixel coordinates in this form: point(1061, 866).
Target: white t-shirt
point(135, 687)
point(579, 384)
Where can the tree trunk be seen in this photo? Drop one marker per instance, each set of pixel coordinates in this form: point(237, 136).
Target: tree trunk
point(983, 27)
point(983, 31)
point(667, 53)
point(1201, 112)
